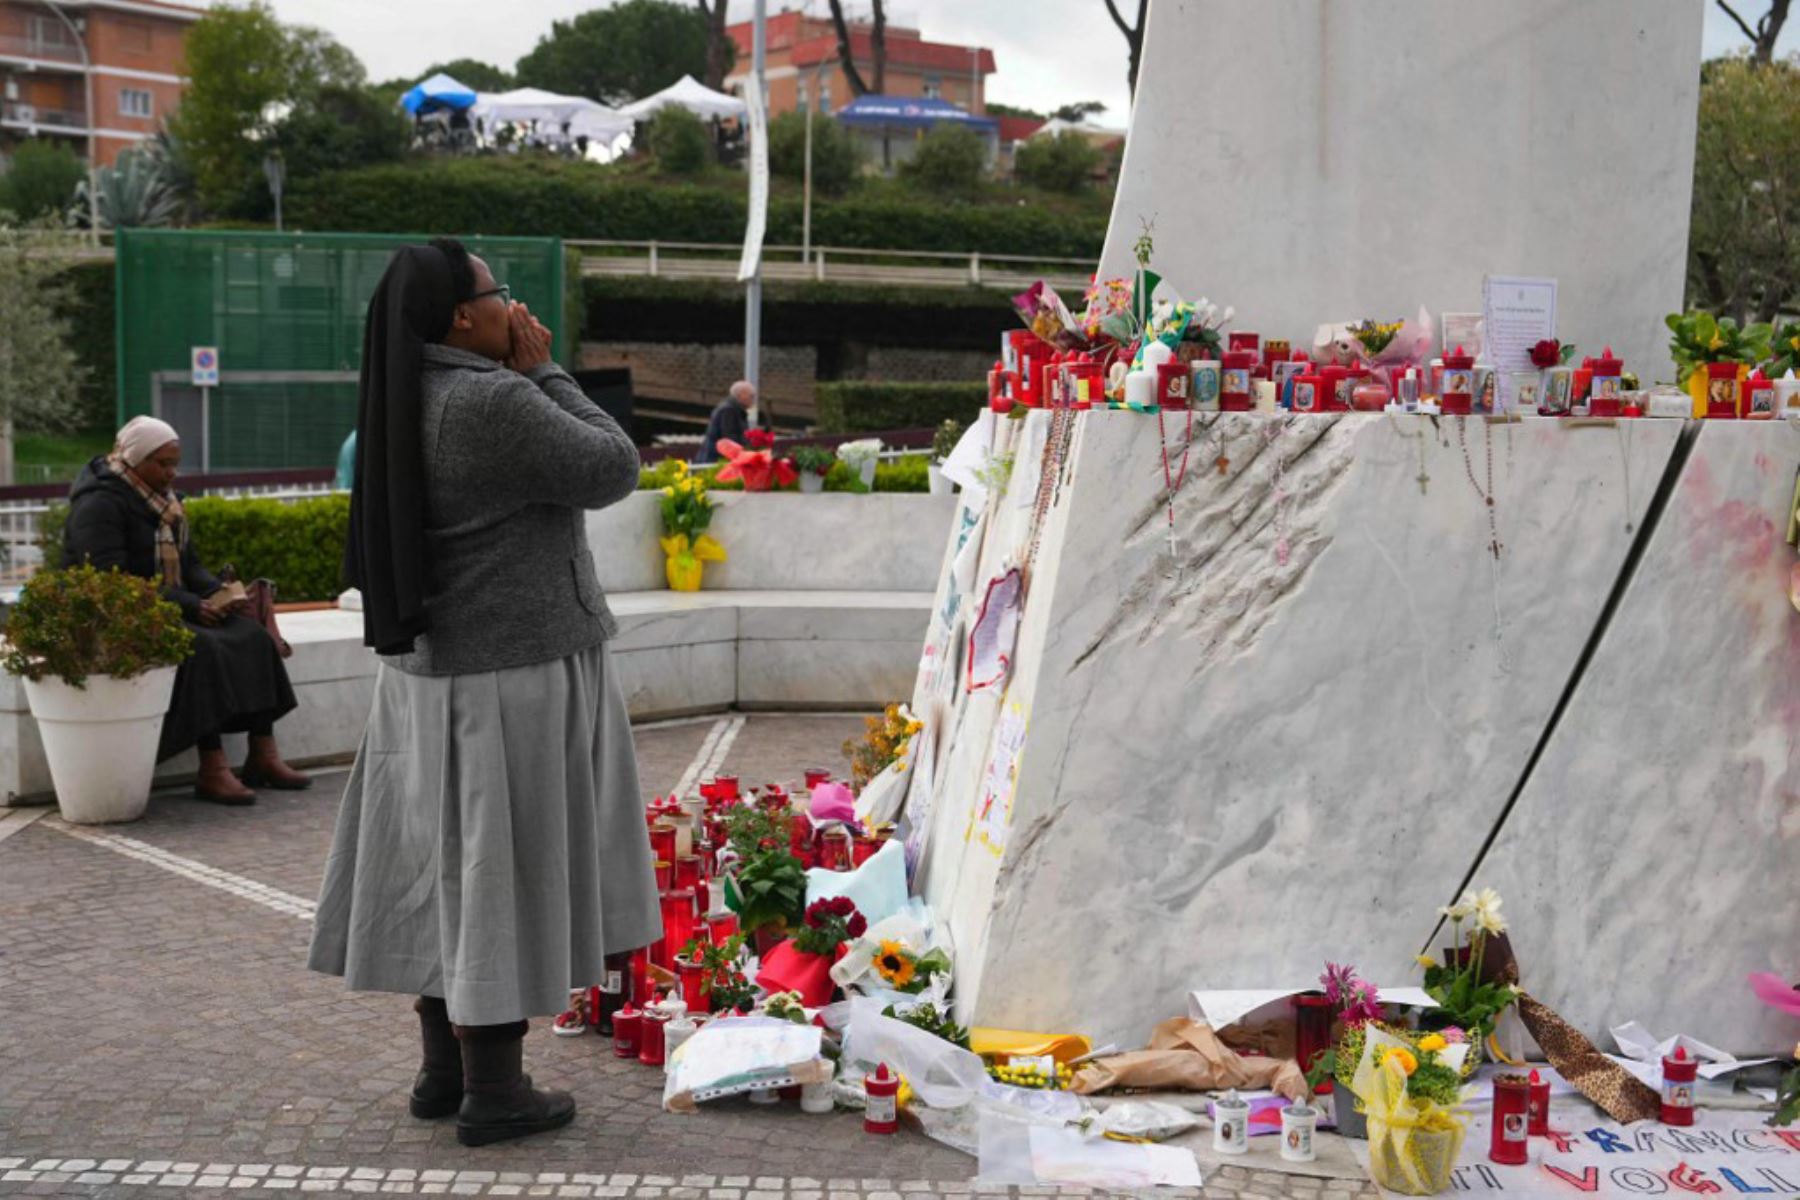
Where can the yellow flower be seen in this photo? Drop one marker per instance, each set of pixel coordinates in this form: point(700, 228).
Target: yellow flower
point(894, 964)
point(669, 492)
point(1432, 1041)
point(681, 468)
point(1428, 962)
point(1408, 1064)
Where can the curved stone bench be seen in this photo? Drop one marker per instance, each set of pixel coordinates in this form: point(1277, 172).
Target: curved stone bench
point(782, 625)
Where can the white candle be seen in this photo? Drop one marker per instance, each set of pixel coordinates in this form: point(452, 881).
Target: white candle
point(1140, 388)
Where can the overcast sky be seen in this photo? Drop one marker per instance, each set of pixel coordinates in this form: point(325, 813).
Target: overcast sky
point(1049, 52)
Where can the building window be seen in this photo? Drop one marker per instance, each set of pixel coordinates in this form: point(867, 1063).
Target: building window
point(48, 33)
point(934, 87)
point(134, 36)
point(135, 103)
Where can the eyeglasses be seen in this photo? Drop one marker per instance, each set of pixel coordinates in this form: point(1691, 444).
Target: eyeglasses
point(504, 292)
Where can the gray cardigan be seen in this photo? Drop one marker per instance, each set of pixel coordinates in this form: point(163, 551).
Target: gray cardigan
point(511, 462)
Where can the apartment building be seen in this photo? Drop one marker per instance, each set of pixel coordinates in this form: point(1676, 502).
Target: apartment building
point(803, 65)
point(132, 49)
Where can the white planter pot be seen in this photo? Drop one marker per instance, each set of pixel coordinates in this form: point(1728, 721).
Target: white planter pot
point(101, 742)
point(940, 483)
point(811, 482)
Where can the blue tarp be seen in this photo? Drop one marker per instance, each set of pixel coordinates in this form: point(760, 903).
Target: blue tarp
point(911, 112)
point(437, 93)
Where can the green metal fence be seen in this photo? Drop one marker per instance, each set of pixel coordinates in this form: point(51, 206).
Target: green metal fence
point(286, 313)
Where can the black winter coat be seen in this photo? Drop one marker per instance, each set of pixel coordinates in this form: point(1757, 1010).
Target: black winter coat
point(111, 526)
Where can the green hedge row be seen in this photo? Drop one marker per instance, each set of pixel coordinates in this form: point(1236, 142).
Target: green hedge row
point(823, 315)
point(300, 546)
point(578, 200)
point(857, 406)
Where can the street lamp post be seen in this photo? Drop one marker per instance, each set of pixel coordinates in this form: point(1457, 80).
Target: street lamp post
point(753, 293)
point(93, 155)
point(275, 171)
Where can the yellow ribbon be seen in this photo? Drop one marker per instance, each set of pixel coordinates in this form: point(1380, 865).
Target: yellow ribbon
point(704, 548)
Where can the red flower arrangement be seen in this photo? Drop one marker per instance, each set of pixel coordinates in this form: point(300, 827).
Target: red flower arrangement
point(829, 924)
point(759, 469)
point(760, 439)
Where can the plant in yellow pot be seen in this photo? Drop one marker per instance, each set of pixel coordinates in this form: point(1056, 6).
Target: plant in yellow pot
point(686, 513)
point(1713, 352)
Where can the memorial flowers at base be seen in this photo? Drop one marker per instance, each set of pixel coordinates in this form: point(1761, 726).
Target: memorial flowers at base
point(1409, 1097)
point(883, 745)
point(803, 963)
point(687, 511)
point(1465, 997)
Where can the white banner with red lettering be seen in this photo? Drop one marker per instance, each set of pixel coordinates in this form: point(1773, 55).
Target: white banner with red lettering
point(1722, 1154)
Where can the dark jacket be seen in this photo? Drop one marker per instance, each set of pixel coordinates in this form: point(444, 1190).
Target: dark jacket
point(511, 463)
point(111, 526)
point(729, 421)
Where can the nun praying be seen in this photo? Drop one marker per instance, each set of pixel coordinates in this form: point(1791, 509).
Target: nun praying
point(490, 851)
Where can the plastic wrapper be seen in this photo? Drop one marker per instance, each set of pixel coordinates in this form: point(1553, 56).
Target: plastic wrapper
point(1027, 1153)
point(1150, 1119)
point(734, 1055)
point(1045, 314)
point(877, 888)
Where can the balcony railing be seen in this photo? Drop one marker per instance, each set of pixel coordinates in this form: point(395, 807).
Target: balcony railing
point(14, 46)
point(15, 113)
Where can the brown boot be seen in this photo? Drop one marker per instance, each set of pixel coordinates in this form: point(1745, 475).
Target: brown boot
point(498, 1102)
point(264, 768)
point(438, 1087)
point(217, 785)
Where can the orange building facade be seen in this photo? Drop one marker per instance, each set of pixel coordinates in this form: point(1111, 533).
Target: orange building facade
point(803, 66)
point(133, 52)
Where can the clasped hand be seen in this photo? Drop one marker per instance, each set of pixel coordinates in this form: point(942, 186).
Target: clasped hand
point(530, 340)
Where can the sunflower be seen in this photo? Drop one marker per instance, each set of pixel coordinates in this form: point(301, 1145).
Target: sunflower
point(895, 964)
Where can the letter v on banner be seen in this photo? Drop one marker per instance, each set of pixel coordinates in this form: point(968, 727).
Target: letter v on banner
point(1587, 1181)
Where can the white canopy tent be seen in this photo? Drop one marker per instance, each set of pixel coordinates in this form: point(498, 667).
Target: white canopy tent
point(688, 93)
point(584, 117)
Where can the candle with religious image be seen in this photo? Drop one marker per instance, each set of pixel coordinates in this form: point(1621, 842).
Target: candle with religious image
point(1511, 1120)
point(1680, 1073)
point(1235, 394)
point(1458, 396)
point(1758, 397)
point(1539, 1105)
point(1606, 392)
point(1206, 385)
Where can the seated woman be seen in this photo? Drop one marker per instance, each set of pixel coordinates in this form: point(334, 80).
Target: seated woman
point(123, 514)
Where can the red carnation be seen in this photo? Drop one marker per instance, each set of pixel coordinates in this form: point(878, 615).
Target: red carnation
point(760, 439)
point(1546, 354)
point(857, 926)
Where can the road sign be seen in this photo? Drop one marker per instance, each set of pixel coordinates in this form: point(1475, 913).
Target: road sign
point(206, 366)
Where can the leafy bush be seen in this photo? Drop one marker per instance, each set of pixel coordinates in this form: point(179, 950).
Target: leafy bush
point(523, 195)
point(1063, 163)
point(854, 406)
point(679, 141)
point(299, 546)
point(83, 622)
point(135, 192)
point(41, 180)
point(949, 160)
point(836, 156)
point(83, 296)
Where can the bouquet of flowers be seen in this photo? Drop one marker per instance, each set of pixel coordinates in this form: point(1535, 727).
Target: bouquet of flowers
point(884, 744)
point(686, 513)
point(756, 464)
point(1415, 1130)
point(860, 457)
point(903, 969)
point(828, 924)
point(1457, 984)
point(803, 963)
point(1375, 336)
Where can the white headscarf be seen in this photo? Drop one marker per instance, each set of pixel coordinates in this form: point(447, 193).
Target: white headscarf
point(142, 437)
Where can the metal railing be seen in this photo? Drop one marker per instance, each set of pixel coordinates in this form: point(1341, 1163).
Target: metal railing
point(821, 264)
point(16, 113)
point(14, 46)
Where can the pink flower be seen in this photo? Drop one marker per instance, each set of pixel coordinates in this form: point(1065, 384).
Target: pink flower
point(1453, 1034)
point(1364, 1005)
point(1776, 992)
point(1338, 982)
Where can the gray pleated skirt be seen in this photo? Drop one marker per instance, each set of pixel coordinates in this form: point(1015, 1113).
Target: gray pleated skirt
point(490, 848)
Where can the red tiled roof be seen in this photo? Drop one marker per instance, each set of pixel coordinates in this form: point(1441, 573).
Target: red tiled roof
point(1017, 129)
point(901, 52)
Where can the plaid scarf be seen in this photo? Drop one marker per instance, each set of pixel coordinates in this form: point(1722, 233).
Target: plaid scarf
point(171, 521)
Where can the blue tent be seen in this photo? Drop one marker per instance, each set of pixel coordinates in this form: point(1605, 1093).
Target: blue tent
point(436, 94)
point(911, 112)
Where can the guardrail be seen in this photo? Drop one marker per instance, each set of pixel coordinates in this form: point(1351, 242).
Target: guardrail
point(822, 264)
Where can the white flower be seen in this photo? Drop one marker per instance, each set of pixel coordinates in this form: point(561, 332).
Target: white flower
point(854, 454)
point(1462, 910)
point(1230, 312)
point(1487, 911)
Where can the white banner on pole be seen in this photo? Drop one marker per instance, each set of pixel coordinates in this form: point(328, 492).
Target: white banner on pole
point(757, 225)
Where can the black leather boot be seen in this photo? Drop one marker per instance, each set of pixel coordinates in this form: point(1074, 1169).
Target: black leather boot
point(498, 1101)
point(438, 1088)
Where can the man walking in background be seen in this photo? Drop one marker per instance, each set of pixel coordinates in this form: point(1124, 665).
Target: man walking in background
point(730, 421)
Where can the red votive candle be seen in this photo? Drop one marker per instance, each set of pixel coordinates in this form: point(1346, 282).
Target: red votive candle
point(687, 871)
point(1605, 390)
point(1246, 341)
point(1312, 1030)
point(678, 924)
point(1679, 1073)
point(662, 842)
point(722, 926)
point(1539, 1124)
point(640, 976)
point(728, 786)
point(693, 986)
point(835, 851)
point(815, 776)
point(650, 1037)
point(626, 1023)
point(665, 875)
point(1512, 1118)
point(862, 849)
point(1458, 397)
point(1234, 381)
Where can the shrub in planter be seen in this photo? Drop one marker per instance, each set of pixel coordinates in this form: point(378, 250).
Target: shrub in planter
point(813, 462)
point(98, 652)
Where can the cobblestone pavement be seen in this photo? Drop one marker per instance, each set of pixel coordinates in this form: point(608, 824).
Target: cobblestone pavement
point(157, 1022)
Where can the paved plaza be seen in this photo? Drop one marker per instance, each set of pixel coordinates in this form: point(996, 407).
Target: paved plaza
point(159, 1035)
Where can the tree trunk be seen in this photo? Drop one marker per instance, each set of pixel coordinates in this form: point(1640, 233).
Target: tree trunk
point(1766, 33)
point(716, 41)
point(846, 52)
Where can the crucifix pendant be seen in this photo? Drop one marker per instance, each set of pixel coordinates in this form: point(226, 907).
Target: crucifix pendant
point(1222, 463)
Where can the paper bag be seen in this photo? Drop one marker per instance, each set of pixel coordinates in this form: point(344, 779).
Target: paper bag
point(1187, 1056)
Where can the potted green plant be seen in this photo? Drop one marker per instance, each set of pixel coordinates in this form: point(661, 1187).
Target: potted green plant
point(1706, 348)
point(768, 893)
point(943, 442)
point(97, 651)
point(813, 462)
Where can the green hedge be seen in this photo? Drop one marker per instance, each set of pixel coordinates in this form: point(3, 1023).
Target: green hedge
point(856, 406)
point(94, 341)
point(300, 545)
point(534, 197)
point(909, 473)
